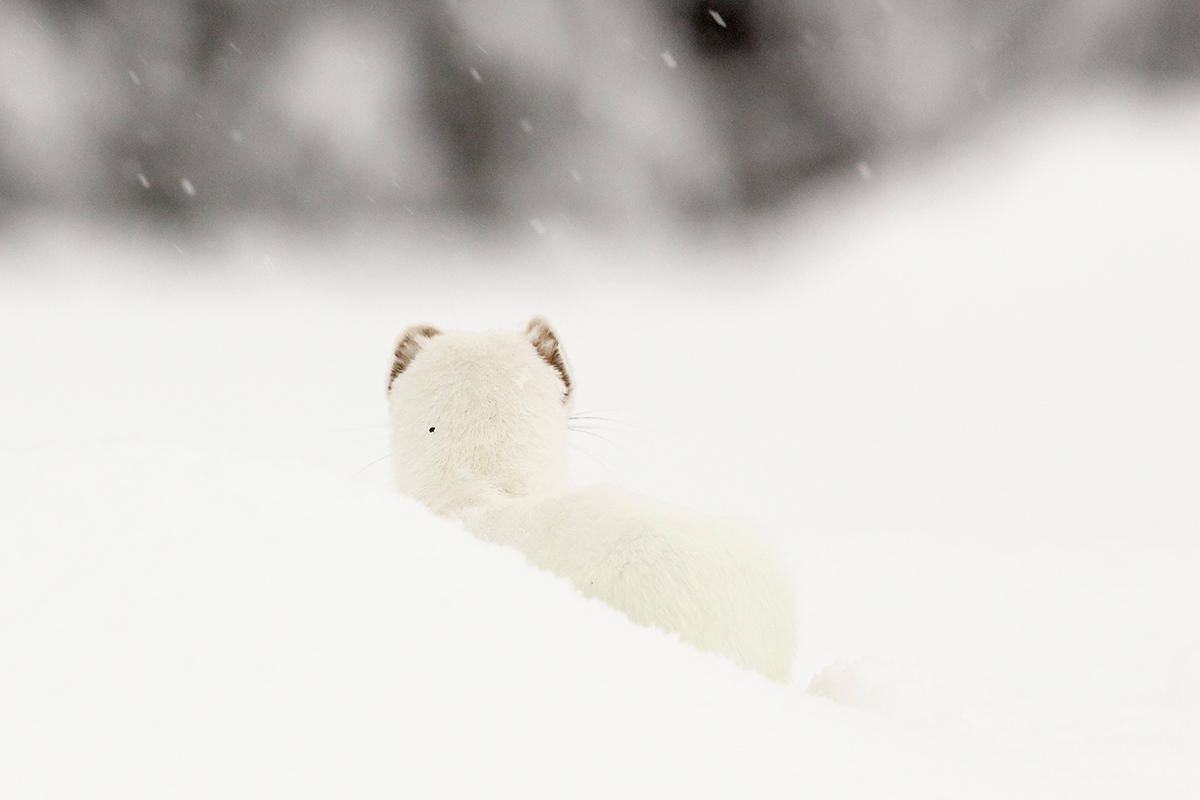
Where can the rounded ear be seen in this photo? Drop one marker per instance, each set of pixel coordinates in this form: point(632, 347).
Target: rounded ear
point(544, 340)
point(407, 347)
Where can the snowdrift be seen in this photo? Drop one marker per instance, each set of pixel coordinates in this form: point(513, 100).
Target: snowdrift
point(963, 403)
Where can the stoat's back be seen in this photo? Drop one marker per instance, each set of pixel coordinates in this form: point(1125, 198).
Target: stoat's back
point(717, 583)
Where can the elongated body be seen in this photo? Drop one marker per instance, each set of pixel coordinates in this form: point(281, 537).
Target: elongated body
point(479, 427)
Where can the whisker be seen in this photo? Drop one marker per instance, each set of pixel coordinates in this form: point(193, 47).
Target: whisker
point(586, 425)
point(591, 432)
point(593, 457)
point(611, 420)
point(591, 428)
point(373, 463)
point(604, 439)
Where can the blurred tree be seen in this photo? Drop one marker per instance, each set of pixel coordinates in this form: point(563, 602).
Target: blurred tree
point(602, 110)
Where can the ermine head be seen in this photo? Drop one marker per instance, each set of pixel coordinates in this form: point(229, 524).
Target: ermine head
point(478, 416)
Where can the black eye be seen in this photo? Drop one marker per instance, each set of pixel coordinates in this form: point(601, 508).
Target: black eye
point(431, 430)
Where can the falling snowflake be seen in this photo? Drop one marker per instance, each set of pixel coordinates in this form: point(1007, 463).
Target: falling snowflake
point(668, 59)
point(188, 188)
point(717, 18)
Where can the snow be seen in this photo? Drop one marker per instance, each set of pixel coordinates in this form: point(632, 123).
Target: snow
point(961, 399)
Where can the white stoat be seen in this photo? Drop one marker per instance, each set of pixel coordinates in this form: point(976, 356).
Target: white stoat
point(479, 433)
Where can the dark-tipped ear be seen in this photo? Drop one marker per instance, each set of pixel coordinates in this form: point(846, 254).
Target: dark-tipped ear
point(407, 347)
point(544, 340)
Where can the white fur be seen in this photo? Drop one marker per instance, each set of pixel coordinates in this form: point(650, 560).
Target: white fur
point(496, 459)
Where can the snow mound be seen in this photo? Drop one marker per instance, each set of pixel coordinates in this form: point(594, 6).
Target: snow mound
point(968, 416)
point(1184, 678)
point(180, 620)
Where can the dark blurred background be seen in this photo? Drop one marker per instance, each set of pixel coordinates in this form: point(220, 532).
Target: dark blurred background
point(603, 112)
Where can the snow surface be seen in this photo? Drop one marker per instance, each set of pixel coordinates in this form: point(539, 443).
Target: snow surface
point(962, 398)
